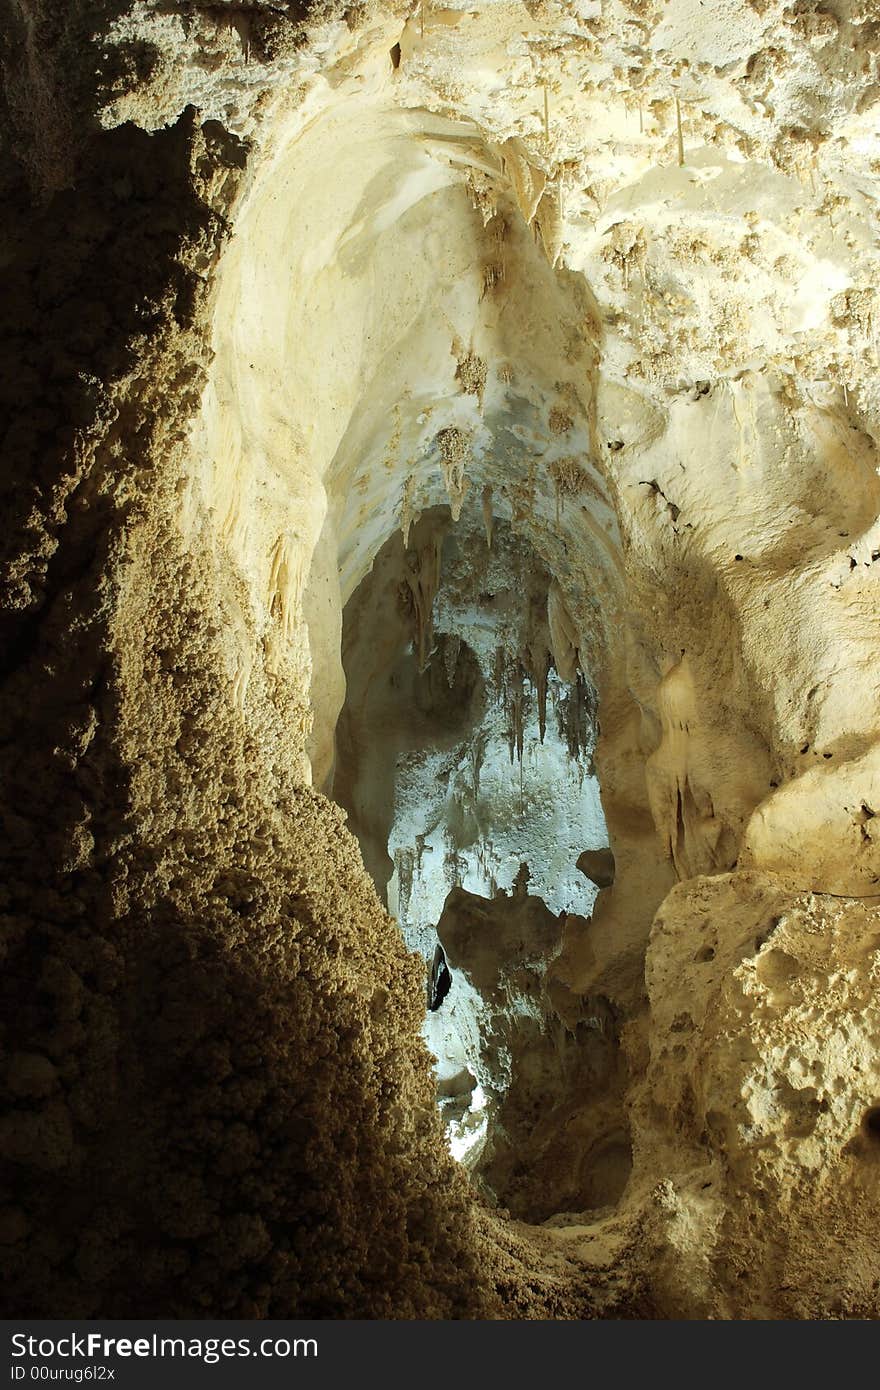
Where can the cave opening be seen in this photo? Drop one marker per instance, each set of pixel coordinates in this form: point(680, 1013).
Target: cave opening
point(871, 1123)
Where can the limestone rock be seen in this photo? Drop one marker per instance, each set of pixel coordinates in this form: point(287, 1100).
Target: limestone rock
point(598, 866)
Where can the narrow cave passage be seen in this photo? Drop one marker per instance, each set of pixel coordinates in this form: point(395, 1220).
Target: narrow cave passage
point(464, 760)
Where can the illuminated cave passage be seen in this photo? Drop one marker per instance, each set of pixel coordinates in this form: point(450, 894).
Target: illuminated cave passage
point(383, 386)
point(465, 762)
point(450, 502)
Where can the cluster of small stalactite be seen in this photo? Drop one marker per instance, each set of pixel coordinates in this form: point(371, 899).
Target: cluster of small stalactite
point(576, 715)
point(418, 591)
point(523, 677)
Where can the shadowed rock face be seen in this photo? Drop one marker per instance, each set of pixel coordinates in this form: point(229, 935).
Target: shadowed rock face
point(278, 282)
point(545, 1078)
point(598, 866)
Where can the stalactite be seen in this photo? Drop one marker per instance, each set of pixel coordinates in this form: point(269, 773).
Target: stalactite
point(518, 720)
point(471, 373)
point(493, 274)
point(564, 638)
point(536, 660)
point(453, 445)
point(451, 649)
point(488, 518)
point(484, 863)
point(408, 513)
point(515, 706)
point(523, 496)
point(510, 677)
point(423, 581)
point(404, 863)
point(570, 480)
point(451, 861)
point(575, 716)
point(502, 694)
point(285, 583)
point(476, 752)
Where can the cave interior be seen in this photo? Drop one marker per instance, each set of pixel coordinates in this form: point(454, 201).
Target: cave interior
point(441, 725)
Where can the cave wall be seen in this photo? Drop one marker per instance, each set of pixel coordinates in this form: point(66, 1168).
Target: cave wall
point(216, 1099)
point(194, 959)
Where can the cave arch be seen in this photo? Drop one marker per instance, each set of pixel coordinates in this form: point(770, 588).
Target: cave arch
point(449, 365)
point(388, 272)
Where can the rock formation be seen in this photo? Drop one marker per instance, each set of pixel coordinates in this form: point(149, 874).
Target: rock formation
point(464, 423)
